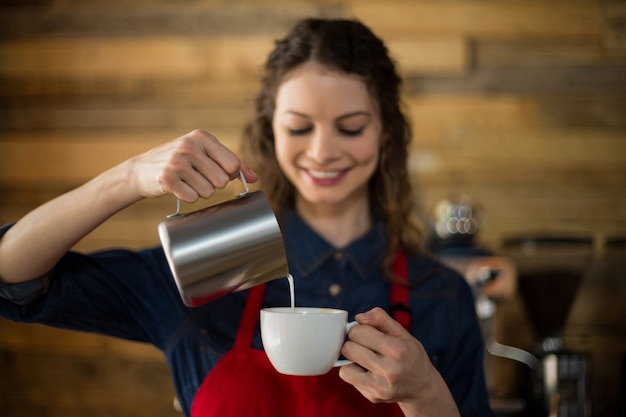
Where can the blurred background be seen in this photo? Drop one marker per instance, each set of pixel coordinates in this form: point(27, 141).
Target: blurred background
point(519, 117)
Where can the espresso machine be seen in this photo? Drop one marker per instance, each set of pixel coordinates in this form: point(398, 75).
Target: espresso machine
point(455, 223)
point(550, 272)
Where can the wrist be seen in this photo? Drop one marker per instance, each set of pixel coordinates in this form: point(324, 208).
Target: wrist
point(115, 188)
point(434, 399)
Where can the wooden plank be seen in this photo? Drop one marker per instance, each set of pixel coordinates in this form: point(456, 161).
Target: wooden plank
point(64, 87)
point(546, 53)
point(443, 55)
point(148, 57)
point(550, 148)
point(135, 227)
point(440, 112)
point(46, 385)
point(428, 168)
point(544, 80)
point(73, 158)
point(482, 19)
point(43, 340)
point(583, 156)
point(614, 14)
point(154, 17)
point(213, 69)
point(582, 111)
point(169, 113)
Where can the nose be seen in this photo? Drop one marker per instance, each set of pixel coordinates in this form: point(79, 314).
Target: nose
point(322, 146)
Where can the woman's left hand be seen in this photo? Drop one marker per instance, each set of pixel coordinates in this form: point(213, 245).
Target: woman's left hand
point(390, 365)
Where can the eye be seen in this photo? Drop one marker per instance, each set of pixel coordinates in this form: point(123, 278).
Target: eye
point(300, 132)
point(351, 132)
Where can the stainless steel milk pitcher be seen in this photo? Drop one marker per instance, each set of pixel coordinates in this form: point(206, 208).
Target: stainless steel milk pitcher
point(228, 247)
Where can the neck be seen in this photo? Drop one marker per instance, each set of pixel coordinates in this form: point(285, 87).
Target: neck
point(339, 224)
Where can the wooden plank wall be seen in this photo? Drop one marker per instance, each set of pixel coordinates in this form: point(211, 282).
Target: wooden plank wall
point(520, 104)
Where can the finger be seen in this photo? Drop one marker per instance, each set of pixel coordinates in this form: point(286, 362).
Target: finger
point(220, 154)
point(354, 374)
point(206, 175)
point(375, 351)
point(248, 173)
point(359, 351)
point(203, 163)
point(381, 334)
point(380, 375)
point(380, 320)
point(226, 160)
point(182, 175)
point(202, 186)
point(369, 384)
point(184, 192)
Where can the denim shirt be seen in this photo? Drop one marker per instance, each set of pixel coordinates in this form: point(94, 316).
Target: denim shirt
point(132, 295)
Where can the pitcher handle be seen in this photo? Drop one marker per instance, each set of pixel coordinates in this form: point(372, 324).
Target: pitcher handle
point(245, 185)
point(241, 194)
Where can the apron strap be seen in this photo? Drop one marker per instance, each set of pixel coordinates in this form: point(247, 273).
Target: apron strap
point(250, 316)
point(399, 296)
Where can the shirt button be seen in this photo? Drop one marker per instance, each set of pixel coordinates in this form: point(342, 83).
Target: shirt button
point(334, 290)
point(338, 255)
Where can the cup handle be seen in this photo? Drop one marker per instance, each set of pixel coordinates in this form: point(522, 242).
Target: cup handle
point(343, 362)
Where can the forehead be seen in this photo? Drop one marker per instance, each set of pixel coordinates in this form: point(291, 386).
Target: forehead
point(312, 85)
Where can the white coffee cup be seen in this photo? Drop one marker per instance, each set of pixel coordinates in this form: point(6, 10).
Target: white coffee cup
point(304, 340)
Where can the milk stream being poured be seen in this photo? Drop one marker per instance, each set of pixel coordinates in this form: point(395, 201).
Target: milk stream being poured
point(291, 292)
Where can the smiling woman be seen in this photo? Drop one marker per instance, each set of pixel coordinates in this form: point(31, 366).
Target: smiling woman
point(521, 106)
point(330, 122)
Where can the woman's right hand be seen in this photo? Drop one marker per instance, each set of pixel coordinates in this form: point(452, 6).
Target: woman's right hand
point(190, 167)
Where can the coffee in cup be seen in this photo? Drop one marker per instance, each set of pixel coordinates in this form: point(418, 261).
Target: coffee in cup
point(304, 340)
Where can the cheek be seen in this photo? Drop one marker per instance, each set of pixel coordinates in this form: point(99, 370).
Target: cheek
point(283, 152)
point(368, 153)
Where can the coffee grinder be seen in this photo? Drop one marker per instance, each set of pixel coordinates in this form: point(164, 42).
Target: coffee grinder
point(550, 271)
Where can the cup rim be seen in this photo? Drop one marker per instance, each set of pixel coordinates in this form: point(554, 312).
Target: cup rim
point(301, 310)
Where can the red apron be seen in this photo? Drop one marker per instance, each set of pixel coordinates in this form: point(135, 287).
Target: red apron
point(244, 382)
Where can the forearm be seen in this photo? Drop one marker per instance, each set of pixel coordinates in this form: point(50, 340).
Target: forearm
point(37, 241)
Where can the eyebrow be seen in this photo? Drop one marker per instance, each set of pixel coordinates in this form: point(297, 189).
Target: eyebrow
point(356, 113)
point(343, 116)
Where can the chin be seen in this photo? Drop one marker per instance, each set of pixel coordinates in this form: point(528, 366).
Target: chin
point(326, 199)
point(318, 199)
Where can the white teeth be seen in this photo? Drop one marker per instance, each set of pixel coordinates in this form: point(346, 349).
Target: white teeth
point(324, 175)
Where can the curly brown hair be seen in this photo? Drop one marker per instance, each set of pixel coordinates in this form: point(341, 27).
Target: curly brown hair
point(350, 47)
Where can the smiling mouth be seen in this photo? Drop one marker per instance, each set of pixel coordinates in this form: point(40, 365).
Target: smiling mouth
point(325, 175)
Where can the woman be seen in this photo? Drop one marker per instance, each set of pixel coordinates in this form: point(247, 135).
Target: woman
point(329, 142)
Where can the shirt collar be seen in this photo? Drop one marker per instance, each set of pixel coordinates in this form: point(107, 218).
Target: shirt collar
point(307, 250)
